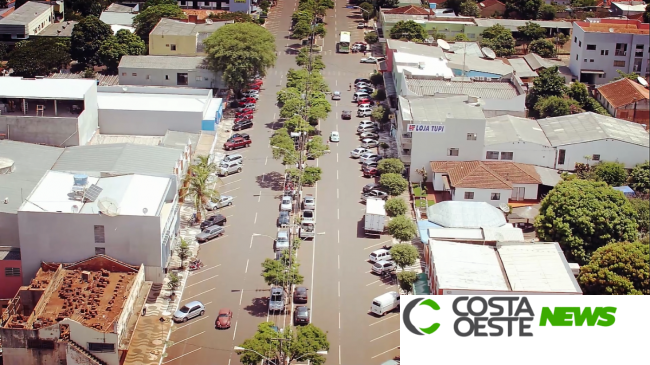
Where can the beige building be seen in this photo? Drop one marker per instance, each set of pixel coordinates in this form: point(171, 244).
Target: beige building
point(181, 37)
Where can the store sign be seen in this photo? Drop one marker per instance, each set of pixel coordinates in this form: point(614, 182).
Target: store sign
point(426, 128)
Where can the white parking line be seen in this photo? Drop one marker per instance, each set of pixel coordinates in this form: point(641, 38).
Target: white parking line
point(339, 354)
point(227, 191)
point(337, 214)
point(177, 342)
point(397, 330)
point(385, 352)
point(194, 296)
point(199, 282)
point(235, 333)
point(339, 288)
point(255, 222)
point(381, 320)
point(246, 271)
point(338, 236)
point(228, 183)
point(376, 281)
point(381, 243)
point(176, 358)
point(191, 323)
point(204, 270)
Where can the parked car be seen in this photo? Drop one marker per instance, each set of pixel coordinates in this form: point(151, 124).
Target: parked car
point(368, 165)
point(301, 315)
point(283, 219)
point(361, 25)
point(223, 201)
point(381, 267)
point(236, 143)
point(256, 81)
point(366, 157)
point(282, 241)
point(366, 122)
point(250, 93)
point(357, 152)
point(286, 203)
point(369, 171)
point(243, 106)
point(236, 156)
point(368, 128)
point(334, 136)
point(242, 124)
point(244, 112)
point(238, 135)
point(356, 81)
point(248, 99)
point(369, 143)
point(308, 215)
point(277, 299)
point(215, 220)
point(380, 255)
point(189, 311)
point(368, 135)
point(336, 95)
point(374, 194)
point(362, 85)
point(248, 117)
point(364, 112)
point(309, 202)
point(254, 86)
point(360, 94)
point(223, 318)
point(346, 114)
point(210, 233)
point(371, 186)
point(300, 295)
point(365, 100)
point(227, 168)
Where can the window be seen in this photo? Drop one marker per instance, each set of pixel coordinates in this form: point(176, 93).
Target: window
point(99, 234)
point(621, 49)
point(492, 155)
point(579, 43)
point(123, 73)
point(585, 60)
point(181, 79)
point(100, 250)
point(12, 271)
point(619, 63)
point(639, 50)
point(636, 67)
point(452, 152)
point(576, 57)
point(148, 77)
point(198, 78)
point(507, 155)
point(471, 136)
point(172, 47)
point(101, 347)
point(37, 343)
point(469, 195)
point(495, 196)
point(591, 60)
point(561, 156)
point(591, 47)
point(134, 74)
point(575, 39)
point(604, 52)
point(595, 157)
point(471, 36)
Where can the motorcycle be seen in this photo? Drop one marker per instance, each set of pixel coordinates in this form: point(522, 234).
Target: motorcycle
point(195, 265)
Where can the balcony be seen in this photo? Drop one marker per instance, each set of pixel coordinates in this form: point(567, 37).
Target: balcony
point(620, 53)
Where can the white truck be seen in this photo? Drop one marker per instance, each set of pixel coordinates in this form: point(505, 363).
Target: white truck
point(375, 220)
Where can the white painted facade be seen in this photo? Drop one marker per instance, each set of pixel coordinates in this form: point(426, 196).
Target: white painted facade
point(606, 149)
point(523, 152)
point(482, 195)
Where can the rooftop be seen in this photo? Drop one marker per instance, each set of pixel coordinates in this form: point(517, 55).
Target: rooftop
point(117, 18)
point(504, 90)
point(430, 110)
point(179, 140)
point(201, 13)
point(486, 174)
point(26, 13)
point(509, 129)
point(409, 9)
point(164, 62)
point(624, 26)
point(9, 253)
point(62, 29)
point(177, 27)
point(468, 48)
point(414, 48)
point(30, 163)
point(47, 88)
point(472, 62)
point(535, 61)
point(412, 64)
point(135, 195)
point(461, 214)
point(521, 67)
point(623, 92)
point(120, 8)
point(512, 24)
point(91, 292)
point(120, 138)
point(587, 127)
point(636, 6)
point(104, 80)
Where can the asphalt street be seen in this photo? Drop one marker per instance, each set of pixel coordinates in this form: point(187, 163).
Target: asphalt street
point(334, 264)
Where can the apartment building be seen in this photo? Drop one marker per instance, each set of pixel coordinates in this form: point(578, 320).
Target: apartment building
point(181, 37)
point(28, 20)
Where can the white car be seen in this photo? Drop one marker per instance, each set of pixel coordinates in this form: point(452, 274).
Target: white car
point(223, 201)
point(368, 157)
point(369, 143)
point(357, 152)
point(366, 122)
point(286, 203)
point(367, 128)
point(368, 60)
point(368, 135)
point(251, 93)
point(309, 202)
point(361, 85)
point(308, 216)
point(334, 136)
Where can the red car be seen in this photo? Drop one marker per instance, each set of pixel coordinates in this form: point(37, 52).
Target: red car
point(364, 101)
point(369, 171)
point(248, 100)
point(254, 87)
point(236, 143)
point(257, 82)
point(223, 318)
point(244, 112)
point(246, 118)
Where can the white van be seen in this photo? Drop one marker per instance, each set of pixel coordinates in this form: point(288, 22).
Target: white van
point(360, 94)
point(385, 303)
point(380, 255)
point(235, 157)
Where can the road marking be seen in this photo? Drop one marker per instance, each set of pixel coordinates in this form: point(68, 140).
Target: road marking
point(194, 296)
point(385, 352)
point(387, 318)
point(235, 333)
point(241, 296)
point(338, 236)
point(337, 157)
point(204, 270)
point(337, 193)
point(246, 272)
point(381, 243)
point(191, 323)
point(339, 354)
point(227, 191)
point(199, 282)
point(376, 281)
point(177, 342)
point(176, 358)
point(259, 197)
point(251, 246)
point(231, 181)
point(397, 330)
point(338, 260)
point(206, 304)
point(266, 160)
point(255, 222)
point(213, 240)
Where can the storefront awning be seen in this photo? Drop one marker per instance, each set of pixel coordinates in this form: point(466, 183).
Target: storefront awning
point(595, 72)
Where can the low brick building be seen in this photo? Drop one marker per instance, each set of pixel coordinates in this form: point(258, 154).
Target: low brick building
point(625, 99)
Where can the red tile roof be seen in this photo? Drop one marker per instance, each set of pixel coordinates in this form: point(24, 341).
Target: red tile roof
point(486, 174)
point(487, 3)
point(623, 92)
point(6, 13)
point(410, 9)
point(201, 13)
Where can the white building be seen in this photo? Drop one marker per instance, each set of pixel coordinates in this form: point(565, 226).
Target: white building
point(55, 112)
point(600, 47)
point(67, 217)
point(28, 20)
point(178, 71)
point(509, 138)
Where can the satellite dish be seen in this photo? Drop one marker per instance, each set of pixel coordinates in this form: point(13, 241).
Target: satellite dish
point(642, 81)
point(504, 207)
point(145, 210)
point(489, 53)
point(443, 44)
point(108, 207)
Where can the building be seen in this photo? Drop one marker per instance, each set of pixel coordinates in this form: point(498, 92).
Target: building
point(55, 112)
point(28, 20)
point(409, 9)
point(80, 313)
point(522, 69)
point(491, 8)
point(152, 111)
point(627, 8)
point(245, 6)
point(11, 273)
point(625, 99)
point(601, 47)
point(508, 268)
point(169, 71)
point(57, 30)
point(120, 14)
point(175, 37)
point(466, 215)
point(131, 217)
point(520, 140)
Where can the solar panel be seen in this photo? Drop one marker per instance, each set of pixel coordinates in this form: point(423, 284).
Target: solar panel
point(92, 192)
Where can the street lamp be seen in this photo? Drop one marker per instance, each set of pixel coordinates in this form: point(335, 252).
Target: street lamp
point(237, 348)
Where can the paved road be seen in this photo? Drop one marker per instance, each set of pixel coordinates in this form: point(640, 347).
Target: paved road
point(333, 264)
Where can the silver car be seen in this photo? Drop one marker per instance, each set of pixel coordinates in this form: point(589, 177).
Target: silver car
point(277, 299)
point(210, 233)
point(369, 143)
point(336, 95)
point(282, 242)
point(189, 311)
point(309, 202)
point(223, 201)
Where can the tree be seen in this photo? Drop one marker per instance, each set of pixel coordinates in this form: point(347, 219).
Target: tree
point(301, 30)
point(562, 39)
point(81, 7)
point(453, 4)
point(612, 173)
point(543, 47)
point(404, 255)
point(150, 3)
point(408, 30)
point(298, 124)
point(312, 175)
point(3, 5)
point(284, 147)
point(199, 186)
point(642, 208)
point(265, 5)
point(292, 107)
point(380, 114)
point(640, 178)
point(402, 229)
point(390, 166)
point(146, 20)
point(578, 92)
point(114, 47)
point(394, 184)
point(549, 83)
point(87, 37)
point(174, 282)
point(530, 32)
point(302, 59)
point(584, 215)
point(3, 50)
point(315, 147)
point(526, 9)
point(183, 249)
point(237, 16)
point(368, 11)
point(547, 12)
point(622, 75)
point(555, 106)
point(377, 78)
point(395, 207)
point(288, 93)
point(379, 94)
point(303, 16)
point(617, 269)
point(406, 280)
point(646, 14)
point(371, 37)
point(499, 39)
point(461, 37)
point(39, 57)
point(276, 273)
point(470, 8)
point(240, 51)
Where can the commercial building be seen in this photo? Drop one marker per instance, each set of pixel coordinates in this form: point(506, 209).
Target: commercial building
point(120, 14)
point(28, 20)
point(58, 30)
point(601, 47)
point(180, 37)
point(131, 217)
point(627, 8)
point(55, 112)
point(80, 313)
point(245, 6)
point(11, 273)
point(177, 71)
point(514, 139)
point(625, 99)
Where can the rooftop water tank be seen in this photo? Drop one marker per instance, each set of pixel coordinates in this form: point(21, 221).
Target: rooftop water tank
point(80, 179)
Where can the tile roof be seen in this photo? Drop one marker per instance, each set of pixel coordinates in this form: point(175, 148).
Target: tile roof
point(409, 9)
point(623, 26)
point(487, 174)
point(487, 3)
point(201, 13)
point(515, 172)
point(623, 92)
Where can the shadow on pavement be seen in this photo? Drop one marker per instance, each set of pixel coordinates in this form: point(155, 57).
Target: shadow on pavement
point(154, 292)
point(258, 307)
point(273, 180)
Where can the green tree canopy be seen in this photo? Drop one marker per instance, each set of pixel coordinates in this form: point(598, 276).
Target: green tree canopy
point(578, 92)
point(81, 7)
point(3, 50)
point(584, 215)
point(368, 11)
point(617, 269)
point(39, 57)
point(549, 83)
point(462, 37)
point(622, 75)
point(640, 178)
point(284, 147)
point(543, 47)
point(610, 172)
point(150, 3)
point(402, 228)
point(315, 147)
point(239, 51)
point(470, 8)
point(406, 280)
point(555, 106)
point(123, 43)
point(526, 9)
point(298, 124)
point(394, 184)
point(499, 39)
point(87, 37)
point(312, 175)
point(395, 207)
point(547, 12)
point(408, 30)
point(288, 93)
point(404, 255)
point(453, 4)
point(147, 19)
point(371, 37)
point(530, 32)
point(390, 166)
point(642, 208)
point(237, 16)
point(276, 273)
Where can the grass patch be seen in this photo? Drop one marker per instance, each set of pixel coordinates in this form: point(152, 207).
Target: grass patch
point(418, 192)
point(424, 203)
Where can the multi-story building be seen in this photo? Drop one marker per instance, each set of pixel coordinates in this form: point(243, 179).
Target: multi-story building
point(183, 71)
point(182, 37)
point(245, 6)
point(601, 47)
point(28, 20)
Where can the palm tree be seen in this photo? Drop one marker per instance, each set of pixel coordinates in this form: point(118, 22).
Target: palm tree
point(201, 184)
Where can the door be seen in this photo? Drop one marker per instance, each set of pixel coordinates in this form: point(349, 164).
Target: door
point(518, 193)
point(194, 312)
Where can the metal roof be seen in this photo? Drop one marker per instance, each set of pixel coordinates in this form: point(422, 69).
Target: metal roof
point(428, 110)
point(26, 13)
point(509, 129)
point(117, 18)
point(481, 89)
point(122, 138)
point(47, 88)
point(63, 29)
point(548, 176)
point(178, 140)
point(587, 127)
point(536, 61)
point(470, 62)
point(164, 62)
point(460, 214)
point(176, 27)
point(104, 80)
point(414, 48)
point(389, 84)
point(121, 8)
point(469, 48)
point(31, 161)
point(512, 24)
point(521, 67)
point(119, 158)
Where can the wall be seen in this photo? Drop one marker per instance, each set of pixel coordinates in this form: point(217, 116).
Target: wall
point(482, 195)
point(640, 115)
point(89, 118)
point(16, 352)
point(240, 5)
point(82, 335)
point(41, 22)
point(46, 236)
point(523, 152)
point(148, 122)
point(159, 45)
point(496, 107)
point(9, 285)
point(157, 78)
point(610, 150)
point(9, 229)
point(129, 304)
point(530, 190)
point(51, 131)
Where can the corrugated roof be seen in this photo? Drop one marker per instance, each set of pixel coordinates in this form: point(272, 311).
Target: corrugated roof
point(468, 48)
point(456, 86)
point(47, 88)
point(115, 138)
point(587, 127)
point(623, 92)
point(430, 110)
point(512, 24)
point(119, 8)
point(31, 161)
point(536, 61)
point(117, 18)
point(176, 27)
point(548, 176)
point(104, 80)
point(521, 67)
point(509, 129)
point(178, 140)
point(119, 158)
point(463, 214)
point(471, 62)
point(164, 62)
point(26, 13)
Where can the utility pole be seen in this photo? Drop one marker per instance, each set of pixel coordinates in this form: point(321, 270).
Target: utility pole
point(283, 357)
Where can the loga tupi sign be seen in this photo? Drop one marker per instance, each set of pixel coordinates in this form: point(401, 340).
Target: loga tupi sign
point(426, 128)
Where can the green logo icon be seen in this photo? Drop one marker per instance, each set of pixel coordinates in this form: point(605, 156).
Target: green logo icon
point(407, 317)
